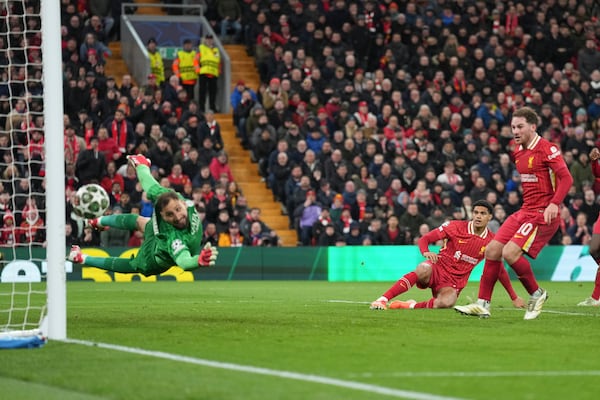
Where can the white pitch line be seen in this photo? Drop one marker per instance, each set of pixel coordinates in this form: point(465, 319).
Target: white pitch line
point(347, 301)
point(497, 309)
point(365, 387)
point(473, 374)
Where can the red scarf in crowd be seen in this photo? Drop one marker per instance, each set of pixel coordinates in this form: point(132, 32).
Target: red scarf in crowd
point(119, 134)
point(512, 21)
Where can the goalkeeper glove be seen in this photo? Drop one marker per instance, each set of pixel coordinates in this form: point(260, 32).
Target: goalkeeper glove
point(208, 256)
point(138, 159)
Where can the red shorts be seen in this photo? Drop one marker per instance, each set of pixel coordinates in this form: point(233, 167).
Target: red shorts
point(596, 228)
point(441, 278)
point(528, 231)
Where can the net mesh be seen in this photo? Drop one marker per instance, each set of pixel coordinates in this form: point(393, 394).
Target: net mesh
point(22, 200)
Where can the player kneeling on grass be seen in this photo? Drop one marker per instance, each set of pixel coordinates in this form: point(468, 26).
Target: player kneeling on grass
point(172, 235)
point(447, 273)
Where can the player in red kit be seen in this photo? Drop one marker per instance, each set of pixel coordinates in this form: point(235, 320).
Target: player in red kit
point(447, 273)
point(594, 299)
point(545, 180)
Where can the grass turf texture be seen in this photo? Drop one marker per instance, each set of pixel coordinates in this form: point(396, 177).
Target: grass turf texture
point(293, 326)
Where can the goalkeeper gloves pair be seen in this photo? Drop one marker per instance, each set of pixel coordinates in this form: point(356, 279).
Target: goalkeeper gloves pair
point(208, 256)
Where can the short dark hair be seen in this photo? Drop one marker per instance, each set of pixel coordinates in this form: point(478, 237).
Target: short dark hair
point(164, 199)
point(483, 203)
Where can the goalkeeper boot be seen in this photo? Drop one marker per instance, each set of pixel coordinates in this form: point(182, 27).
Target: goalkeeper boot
point(535, 303)
point(95, 224)
point(479, 309)
point(397, 305)
point(379, 304)
point(590, 301)
point(76, 255)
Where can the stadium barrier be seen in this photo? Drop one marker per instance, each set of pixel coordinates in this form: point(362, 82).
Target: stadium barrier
point(340, 264)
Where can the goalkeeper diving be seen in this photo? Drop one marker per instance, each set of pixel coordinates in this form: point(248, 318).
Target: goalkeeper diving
point(172, 235)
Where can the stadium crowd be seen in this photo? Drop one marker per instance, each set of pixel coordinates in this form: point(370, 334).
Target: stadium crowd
point(374, 122)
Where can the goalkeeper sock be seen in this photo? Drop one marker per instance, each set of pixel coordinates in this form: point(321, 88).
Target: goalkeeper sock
point(126, 222)
point(403, 284)
point(115, 264)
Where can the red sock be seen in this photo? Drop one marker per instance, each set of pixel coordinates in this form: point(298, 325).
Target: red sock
point(425, 304)
point(525, 274)
point(491, 270)
point(403, 284)
point(596, 292)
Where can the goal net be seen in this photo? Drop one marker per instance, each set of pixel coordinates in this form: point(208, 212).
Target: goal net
point(32, 288)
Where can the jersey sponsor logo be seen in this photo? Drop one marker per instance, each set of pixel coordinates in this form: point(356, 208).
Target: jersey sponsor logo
point(530, 178)
point(459, 256)
point(177, 245)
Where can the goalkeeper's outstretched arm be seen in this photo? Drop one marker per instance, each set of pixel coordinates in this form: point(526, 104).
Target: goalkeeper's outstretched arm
point(149, 184)
point(206, 258)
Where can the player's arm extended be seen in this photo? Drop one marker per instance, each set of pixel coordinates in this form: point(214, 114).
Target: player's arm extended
point(185, 260)
point(430, 238)
point(149, 184)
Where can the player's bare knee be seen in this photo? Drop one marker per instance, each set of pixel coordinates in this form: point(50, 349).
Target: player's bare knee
point(446, 301)
point(493, 251)
point(511, 253)
point(423, 270)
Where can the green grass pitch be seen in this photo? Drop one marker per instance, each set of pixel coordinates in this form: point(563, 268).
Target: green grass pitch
point(315, 330)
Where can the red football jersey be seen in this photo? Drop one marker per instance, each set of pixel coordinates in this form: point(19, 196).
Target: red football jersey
point(463, 249)
point(537, 165)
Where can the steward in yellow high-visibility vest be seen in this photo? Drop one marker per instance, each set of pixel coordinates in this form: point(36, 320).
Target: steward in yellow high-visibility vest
point(208, 68)
point(157, 66)
point(184, 67)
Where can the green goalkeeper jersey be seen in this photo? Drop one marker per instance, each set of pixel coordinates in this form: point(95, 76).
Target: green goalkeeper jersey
point(165, 245)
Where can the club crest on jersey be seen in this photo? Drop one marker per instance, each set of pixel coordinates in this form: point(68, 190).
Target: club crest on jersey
point(530, 162)
point(177, 245)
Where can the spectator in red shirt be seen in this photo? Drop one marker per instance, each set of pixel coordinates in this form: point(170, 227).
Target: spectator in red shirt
point(219, 165)
point(108, 146)
point(111, 177)
point(178, 179)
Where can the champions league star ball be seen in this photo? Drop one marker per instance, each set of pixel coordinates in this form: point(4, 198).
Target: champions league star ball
point(92, 201)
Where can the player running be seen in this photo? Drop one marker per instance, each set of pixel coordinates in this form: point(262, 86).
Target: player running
point(545, 180)
point(447, 273)
point(172, 235)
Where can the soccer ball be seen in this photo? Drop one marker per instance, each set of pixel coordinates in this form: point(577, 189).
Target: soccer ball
point(92, 201)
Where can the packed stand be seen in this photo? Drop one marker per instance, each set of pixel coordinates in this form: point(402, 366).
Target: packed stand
point(375, 122)
point(104, 122)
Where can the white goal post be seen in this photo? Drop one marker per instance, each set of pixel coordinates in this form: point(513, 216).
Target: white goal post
point(55, 169)
point(39, 310)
